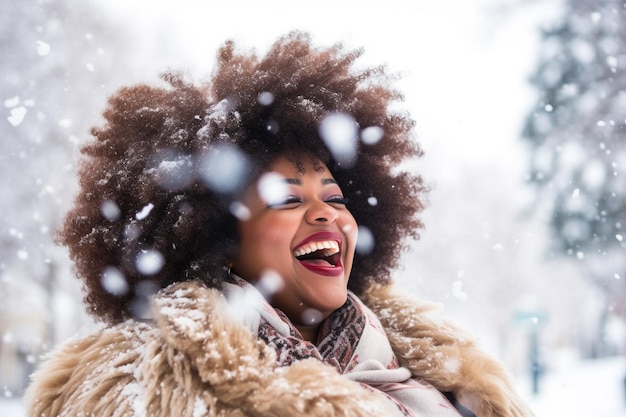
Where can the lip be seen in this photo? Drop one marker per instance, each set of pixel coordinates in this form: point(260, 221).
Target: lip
point(329, 271)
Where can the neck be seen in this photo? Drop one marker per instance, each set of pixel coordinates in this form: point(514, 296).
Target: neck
point(308, 332)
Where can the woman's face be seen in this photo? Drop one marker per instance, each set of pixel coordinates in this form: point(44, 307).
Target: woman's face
point(300, 230)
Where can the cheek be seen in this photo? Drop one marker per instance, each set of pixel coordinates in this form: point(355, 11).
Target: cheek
point(258, 249)
point(264, 233)
point(351, 231)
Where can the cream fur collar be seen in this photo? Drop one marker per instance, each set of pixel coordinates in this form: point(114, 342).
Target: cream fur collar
point(443, 355)
point(195, 361)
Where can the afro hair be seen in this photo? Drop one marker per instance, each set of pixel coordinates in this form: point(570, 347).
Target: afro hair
point(147, 215)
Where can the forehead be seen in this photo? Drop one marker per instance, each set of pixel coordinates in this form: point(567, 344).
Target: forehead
point(298, 166)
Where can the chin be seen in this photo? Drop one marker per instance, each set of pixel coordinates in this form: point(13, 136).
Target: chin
point(338, 302)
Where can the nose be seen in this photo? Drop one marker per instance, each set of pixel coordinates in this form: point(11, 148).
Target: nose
point(321, 212)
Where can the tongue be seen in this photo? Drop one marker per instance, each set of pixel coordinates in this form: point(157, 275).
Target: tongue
point(316, 262)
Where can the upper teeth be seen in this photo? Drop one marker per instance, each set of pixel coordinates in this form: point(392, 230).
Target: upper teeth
point(330, 246)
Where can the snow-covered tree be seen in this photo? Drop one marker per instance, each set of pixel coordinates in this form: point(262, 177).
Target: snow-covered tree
point(577, 133)
point(57, 69)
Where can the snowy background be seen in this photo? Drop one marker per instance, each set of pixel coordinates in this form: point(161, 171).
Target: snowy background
point(465, 66)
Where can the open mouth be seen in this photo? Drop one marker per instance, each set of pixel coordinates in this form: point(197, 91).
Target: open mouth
point(321, 253)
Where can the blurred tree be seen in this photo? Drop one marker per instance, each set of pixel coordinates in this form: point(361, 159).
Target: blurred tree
point(577, 133)
point(58, 58)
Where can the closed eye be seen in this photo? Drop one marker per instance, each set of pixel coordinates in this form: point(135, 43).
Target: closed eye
point(295, 201)
point(338, 200)
point(289, 202)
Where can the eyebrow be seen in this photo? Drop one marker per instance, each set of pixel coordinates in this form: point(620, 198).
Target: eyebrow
point(296, 181)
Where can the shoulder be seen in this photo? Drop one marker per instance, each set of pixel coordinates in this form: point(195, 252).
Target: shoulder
point(194, 358)
point(133, 363)
point(123, 365)
point(443, 354)
point(87, 369)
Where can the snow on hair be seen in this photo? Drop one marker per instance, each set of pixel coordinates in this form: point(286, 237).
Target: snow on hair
point(154, 144)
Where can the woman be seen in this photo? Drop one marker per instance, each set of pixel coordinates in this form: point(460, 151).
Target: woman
point(238, 240)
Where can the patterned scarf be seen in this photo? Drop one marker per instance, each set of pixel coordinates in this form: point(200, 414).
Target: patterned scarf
point(351, 339)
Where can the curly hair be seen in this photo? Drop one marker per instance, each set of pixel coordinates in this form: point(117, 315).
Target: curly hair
point(143, 195)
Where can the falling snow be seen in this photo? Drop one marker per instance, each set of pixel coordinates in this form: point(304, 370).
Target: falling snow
point(149, 262)
point(339, 132)
point(17, 115)
point(475, 256)
point(145, 211)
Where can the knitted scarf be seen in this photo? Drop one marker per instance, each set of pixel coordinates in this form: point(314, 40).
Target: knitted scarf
point(351, 340)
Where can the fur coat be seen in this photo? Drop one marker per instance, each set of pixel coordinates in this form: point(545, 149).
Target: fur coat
point(195, 360)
